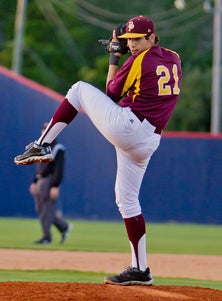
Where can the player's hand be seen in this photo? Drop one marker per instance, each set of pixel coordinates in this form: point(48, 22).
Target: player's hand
point(118, 46)
point(54, 193)
point(114, 37)
point(33, 189)
point(114, 44)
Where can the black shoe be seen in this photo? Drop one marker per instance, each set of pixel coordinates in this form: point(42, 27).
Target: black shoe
point(44, 241)
point(34, 153)
point(65, 233)
point(131, 276)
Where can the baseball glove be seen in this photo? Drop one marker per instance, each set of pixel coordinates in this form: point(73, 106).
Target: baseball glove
point(120, 46)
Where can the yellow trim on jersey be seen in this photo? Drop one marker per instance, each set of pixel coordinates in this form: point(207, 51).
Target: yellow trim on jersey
point(134, 76)
point(172, 51)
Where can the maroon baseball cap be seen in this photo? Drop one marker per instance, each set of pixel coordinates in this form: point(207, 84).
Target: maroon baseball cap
point(138, 27)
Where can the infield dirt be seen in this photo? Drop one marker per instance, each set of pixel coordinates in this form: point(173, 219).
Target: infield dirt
point(187, 266)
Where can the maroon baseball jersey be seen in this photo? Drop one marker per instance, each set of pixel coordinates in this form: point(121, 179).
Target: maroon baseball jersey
point(149, 83)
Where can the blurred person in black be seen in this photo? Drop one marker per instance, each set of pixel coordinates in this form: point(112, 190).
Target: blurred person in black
point(45, 190)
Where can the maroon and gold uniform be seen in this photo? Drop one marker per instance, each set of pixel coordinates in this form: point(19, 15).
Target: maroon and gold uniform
point(149, 83)
point(141, 97)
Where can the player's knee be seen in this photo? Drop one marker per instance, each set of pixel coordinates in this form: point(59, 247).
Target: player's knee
point(73, 95)
point(129, 209)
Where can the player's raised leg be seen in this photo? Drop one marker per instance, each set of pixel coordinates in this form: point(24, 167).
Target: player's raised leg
point(82, 97)
point(40, 151)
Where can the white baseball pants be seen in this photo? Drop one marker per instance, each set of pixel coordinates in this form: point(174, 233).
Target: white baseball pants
point(134, 141)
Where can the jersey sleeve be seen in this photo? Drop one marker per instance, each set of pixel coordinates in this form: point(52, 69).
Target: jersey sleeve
point(115, 87)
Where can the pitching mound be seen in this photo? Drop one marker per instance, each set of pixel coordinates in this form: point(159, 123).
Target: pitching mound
point(36, 291)
point(199, 267)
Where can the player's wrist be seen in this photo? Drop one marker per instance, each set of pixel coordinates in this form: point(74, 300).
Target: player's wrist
point(113, 59)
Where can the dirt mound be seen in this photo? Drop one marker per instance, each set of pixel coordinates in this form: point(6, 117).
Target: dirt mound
point(189, 266)
point(36, 291)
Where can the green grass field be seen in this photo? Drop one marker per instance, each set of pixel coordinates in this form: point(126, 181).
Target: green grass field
point(99, 236)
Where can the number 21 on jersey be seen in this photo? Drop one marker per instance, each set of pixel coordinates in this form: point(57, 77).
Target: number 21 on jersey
point(163, 83)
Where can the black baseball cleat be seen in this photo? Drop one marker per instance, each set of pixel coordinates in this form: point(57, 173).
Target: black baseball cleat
point(43, 241)
point(34, 153)
point(131, 276)
point(65, 233)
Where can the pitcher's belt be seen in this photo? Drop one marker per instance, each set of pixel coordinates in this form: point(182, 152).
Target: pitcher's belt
point(141, 118)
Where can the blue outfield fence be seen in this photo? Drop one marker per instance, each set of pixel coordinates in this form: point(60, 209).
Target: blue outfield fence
point(182, 182)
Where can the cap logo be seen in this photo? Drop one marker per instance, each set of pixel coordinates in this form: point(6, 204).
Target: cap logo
point(130, 25)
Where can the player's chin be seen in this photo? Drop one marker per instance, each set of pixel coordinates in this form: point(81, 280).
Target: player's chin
point(134, 52)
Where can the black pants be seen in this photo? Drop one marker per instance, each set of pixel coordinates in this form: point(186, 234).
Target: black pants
point(46, 208)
